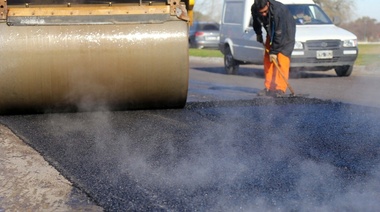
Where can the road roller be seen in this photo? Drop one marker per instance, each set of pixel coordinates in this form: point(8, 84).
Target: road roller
point(59, 55)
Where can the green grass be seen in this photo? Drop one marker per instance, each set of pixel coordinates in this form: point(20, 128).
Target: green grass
point(205, 53)
point(368, 53)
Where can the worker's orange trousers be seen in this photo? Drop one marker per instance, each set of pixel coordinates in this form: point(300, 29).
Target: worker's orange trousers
point(273, 79)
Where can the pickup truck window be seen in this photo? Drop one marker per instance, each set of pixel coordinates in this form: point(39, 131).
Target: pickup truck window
point(233, 14)
point(308, 14)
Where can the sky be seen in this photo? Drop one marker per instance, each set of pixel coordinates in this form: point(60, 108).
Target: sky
point(368, 8)
point(362, 8)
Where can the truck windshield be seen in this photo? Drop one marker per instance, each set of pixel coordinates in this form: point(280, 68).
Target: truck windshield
point(308, 14)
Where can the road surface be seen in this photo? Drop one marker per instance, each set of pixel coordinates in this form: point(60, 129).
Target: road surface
point(227, 150)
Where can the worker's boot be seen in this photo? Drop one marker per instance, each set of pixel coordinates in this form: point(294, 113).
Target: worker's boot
point(279, 94)
point(264, 92)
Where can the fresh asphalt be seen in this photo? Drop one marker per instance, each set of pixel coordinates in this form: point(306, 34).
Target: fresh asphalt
point(291, 154)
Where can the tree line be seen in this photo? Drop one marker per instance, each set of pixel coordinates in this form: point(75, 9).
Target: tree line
point(367, 29)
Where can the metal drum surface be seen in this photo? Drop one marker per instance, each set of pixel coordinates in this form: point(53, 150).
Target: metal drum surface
point(118, 66)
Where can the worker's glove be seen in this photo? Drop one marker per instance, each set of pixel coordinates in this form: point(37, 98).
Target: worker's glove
point(273, 58)
point(259, 38)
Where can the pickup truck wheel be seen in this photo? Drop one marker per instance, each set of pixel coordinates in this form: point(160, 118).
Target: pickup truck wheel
point(230, 64)
point(344, 71)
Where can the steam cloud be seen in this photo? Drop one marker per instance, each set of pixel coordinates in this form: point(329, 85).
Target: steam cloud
point(232, 162)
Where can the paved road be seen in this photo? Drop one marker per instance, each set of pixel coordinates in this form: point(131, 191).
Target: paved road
point(226, 151)
point(361, 88)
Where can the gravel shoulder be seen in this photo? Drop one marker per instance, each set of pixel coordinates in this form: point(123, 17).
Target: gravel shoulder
point(29, 183)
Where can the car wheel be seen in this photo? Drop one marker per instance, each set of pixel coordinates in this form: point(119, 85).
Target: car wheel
point(230, 64)
point(344, 71)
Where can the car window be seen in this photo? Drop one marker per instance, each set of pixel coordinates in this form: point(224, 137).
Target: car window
point(209, 27)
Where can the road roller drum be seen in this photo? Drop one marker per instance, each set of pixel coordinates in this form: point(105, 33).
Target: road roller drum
point(93, 56)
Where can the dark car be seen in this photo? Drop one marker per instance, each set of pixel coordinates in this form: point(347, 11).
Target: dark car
point(204, 35)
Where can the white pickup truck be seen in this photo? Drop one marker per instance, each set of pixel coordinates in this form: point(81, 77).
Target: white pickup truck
point(320, 45)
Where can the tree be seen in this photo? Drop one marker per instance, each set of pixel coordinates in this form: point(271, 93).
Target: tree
point(341, 9)
point(212, 9)
point(365, 28)
point(198, 16)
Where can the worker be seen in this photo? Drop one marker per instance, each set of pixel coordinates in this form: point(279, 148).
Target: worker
point(280, 26)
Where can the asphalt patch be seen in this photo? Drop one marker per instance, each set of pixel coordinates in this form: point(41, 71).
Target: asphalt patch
point(263, 154)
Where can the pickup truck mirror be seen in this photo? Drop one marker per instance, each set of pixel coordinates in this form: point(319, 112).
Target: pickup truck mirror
point(251, 22)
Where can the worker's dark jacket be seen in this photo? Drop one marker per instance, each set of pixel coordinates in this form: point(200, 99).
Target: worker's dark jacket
point(279, 25)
